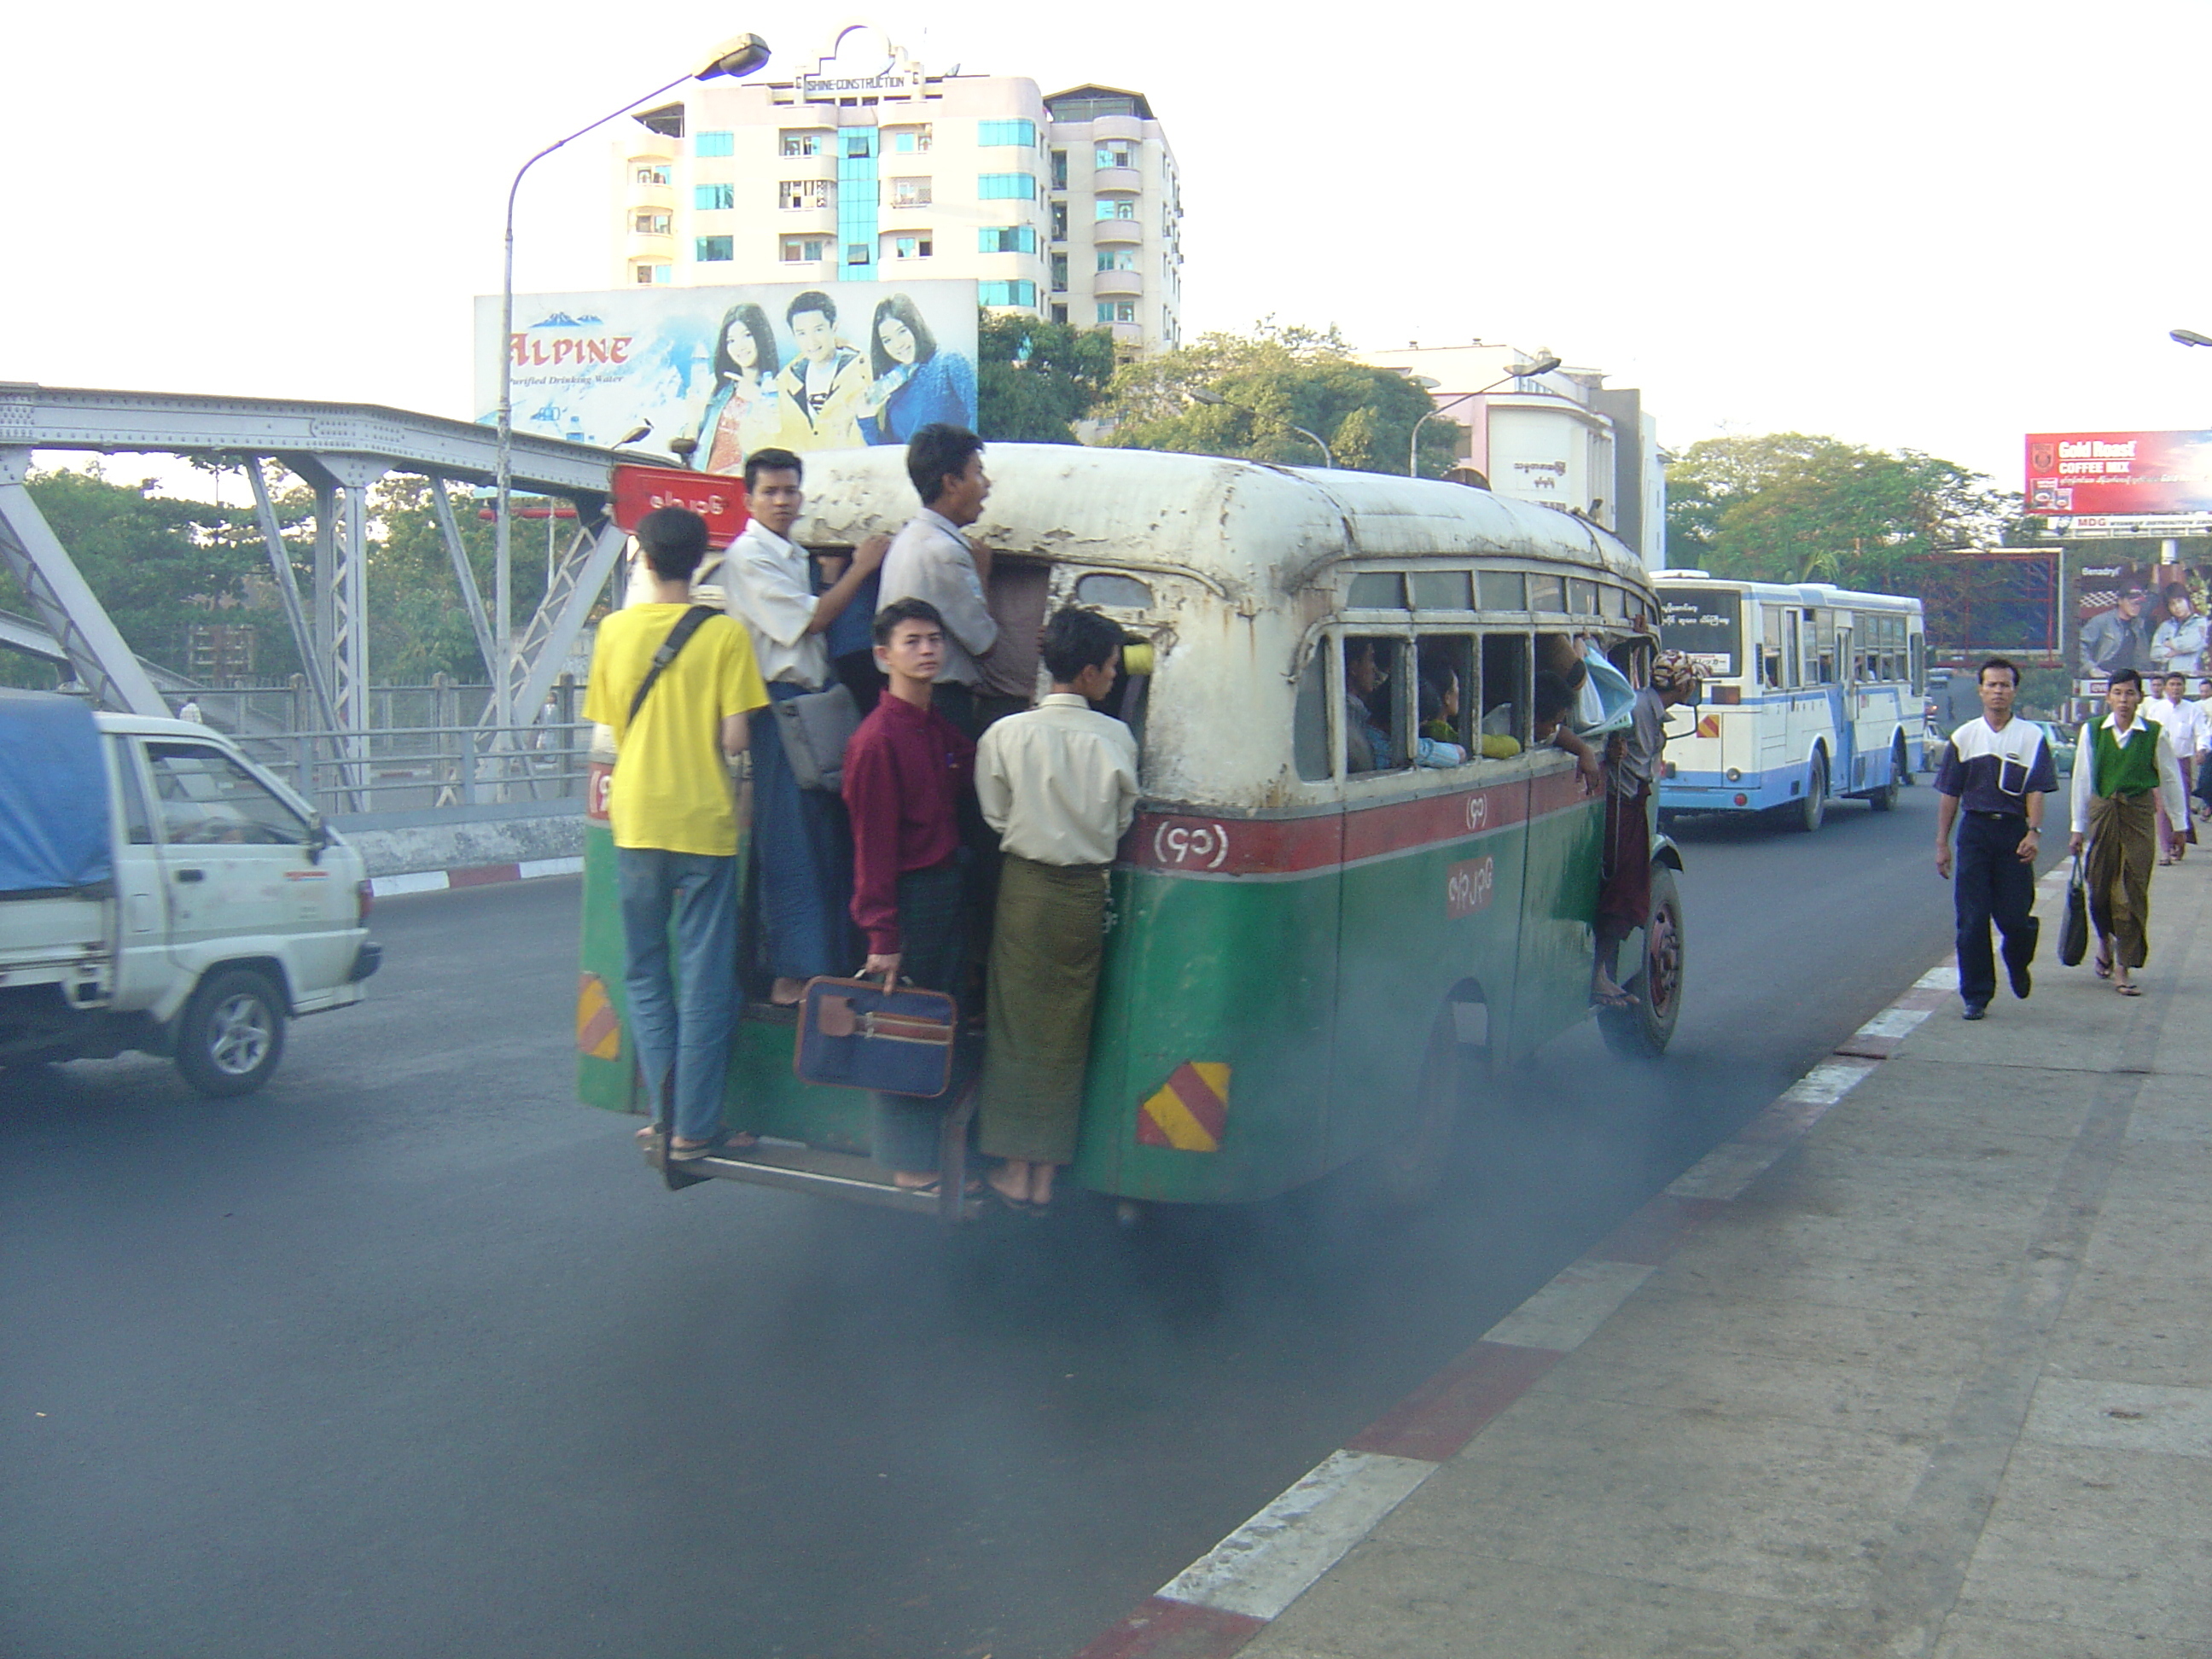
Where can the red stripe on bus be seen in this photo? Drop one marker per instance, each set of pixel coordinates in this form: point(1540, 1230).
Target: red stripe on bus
point(1242, 847)
point(1199, 1100)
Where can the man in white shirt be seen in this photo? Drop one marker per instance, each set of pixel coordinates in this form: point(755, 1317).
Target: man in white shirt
point(802, 848)
point(932, 560)
point(1059, 784)
point(2127, 805)
point(2181, 722)
point(2204, 751)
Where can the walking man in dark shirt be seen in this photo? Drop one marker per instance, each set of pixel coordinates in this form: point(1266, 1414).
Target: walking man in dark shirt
point(906, 771)
point(1990, 784)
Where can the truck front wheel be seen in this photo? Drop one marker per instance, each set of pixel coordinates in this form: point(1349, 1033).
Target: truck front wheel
point(231, 1033)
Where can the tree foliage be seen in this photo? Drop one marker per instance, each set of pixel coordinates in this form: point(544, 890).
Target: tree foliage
point(1036, 380)
point(1273, 381)
point(1796, 506)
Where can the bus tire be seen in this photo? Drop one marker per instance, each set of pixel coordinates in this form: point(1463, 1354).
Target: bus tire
point(1884, 799)
point(1642, 1030)
point(1409, 1168)
point(231, 1033)
point(1812, 811)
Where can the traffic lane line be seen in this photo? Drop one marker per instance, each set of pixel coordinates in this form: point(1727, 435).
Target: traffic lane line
point(1227, 1596)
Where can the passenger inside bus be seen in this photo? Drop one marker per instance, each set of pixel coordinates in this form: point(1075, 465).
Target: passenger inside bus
point(1554, 700)
point(1367, 713)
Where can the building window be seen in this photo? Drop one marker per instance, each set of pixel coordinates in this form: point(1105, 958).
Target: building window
point(1060, 169)
point(1117, 311)
point(859, 143)
point(857, 254)
point(1117, 258)
point(1117, 207)
point(714, 248)
point(1060, 273)
point(1007, 239)
point(805, 250)
point(804, 193)
point(1007, 293)
point(1060, 313)
point(991, 135)
point(1059, 222)
point(714, 143)
point(910, 141)
point(652, 172)
point(649, 224)
point(649, 274)
point(909, 192)
point(800, 144)
point(1006, 187)
point(912, 247)
point(707, 198)
point(1117, 155)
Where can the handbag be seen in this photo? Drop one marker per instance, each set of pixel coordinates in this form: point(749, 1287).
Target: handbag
point(2074, 931)
point(814, 729)
point(854, 1033)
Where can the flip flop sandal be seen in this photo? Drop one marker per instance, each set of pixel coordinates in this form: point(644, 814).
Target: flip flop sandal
point(2130, 989)
point(2104, 967)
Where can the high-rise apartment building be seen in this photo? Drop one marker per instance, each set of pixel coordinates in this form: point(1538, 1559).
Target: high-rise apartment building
point(867, 167)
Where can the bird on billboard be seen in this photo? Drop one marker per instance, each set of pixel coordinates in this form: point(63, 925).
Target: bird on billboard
point(639, 431)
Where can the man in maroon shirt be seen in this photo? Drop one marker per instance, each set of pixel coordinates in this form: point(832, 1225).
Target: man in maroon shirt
point(906, 771)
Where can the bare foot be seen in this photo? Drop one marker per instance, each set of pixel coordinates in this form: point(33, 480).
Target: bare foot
point(786, 992)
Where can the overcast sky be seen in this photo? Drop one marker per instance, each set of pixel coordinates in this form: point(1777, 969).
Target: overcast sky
point(1932, 225)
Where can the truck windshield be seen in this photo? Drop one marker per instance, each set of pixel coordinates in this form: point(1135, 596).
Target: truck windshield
point(1706, 625)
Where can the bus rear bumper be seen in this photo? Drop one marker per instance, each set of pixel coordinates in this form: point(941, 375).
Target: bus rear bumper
point(1715, 792)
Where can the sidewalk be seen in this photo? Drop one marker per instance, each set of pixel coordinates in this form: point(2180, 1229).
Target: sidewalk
point(1919, 1364)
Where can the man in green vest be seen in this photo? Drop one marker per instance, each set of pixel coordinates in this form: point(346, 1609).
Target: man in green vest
point(2127, 807)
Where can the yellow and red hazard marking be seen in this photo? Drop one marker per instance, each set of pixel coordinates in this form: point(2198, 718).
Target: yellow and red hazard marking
point(1190, 1110)
point(1708, 725)
point(599, 1029)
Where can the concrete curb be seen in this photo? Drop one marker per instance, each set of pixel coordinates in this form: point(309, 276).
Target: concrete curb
point(475, 875)
point(1218, 1603)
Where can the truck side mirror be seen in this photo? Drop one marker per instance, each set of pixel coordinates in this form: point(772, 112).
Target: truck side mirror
point(317, 838)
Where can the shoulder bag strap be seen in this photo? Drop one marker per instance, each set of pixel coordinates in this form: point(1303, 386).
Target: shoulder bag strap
point(679, 637)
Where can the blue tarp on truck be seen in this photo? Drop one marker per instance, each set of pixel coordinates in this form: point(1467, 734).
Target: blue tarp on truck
point(54, 797)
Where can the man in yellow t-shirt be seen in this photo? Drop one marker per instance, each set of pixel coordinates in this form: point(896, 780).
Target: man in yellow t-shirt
point(676, 825)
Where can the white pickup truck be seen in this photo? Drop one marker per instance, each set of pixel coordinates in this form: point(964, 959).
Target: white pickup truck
point(160, 892)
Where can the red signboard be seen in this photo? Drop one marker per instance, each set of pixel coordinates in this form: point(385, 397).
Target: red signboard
point(718, 499)
point(2071, 472)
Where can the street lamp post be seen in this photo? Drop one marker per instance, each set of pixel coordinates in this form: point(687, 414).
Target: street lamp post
point(739, 55)
point(1543, 365)
point(1203, 396)
point(2188, 337)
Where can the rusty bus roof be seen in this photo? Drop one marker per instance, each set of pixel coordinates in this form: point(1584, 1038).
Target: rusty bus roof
point(1234, 525)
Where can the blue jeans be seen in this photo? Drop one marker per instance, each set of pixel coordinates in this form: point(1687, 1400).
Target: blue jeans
point(804, 859)
point(681, 1023)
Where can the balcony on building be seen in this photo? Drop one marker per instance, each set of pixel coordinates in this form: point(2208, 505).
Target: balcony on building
point(1127, 333)
point(1119, 180)
point(1117, 233)
point(649, 245)
point(1118, 284)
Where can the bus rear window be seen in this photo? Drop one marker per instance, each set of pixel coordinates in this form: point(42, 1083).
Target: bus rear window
point(1706, 625)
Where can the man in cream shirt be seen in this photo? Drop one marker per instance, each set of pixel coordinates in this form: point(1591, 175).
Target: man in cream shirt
point(1059, 784)
point(932, 560)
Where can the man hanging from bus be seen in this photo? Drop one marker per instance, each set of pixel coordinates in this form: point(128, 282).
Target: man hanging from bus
point(1631, 768)
point(1994, 774)
point(906, 771)
point(1058, 785)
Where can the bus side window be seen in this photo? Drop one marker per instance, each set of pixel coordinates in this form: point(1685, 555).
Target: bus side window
point(1770, 649)
point(1377, 670)
point(1309, 718)
point(1505, 689)
point(1443, 710)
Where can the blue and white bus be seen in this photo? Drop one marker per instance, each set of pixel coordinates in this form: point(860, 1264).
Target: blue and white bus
point(1812, 692)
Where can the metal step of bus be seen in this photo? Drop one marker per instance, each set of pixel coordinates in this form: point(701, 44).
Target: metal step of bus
point(798, 1168)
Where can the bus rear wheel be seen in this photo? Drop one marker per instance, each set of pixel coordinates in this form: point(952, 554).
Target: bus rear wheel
point(1812, 811)
point(1884, 799)
point(1409, 1167)
point(1642, 1030)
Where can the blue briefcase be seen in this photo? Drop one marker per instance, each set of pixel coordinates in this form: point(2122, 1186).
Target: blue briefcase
point(855, 1034)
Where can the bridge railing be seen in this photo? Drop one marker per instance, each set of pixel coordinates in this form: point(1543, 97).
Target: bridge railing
point(415, 767)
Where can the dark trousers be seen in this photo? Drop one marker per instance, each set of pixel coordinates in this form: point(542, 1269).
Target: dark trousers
point(802, 857)
point(933, 907)
point(1991, 884)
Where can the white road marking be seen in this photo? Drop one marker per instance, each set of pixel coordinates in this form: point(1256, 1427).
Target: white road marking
point(1891, 1023)
point(1829, 1082)
point(424, 881)
point(1944, 976)
point(1275, 1557)
point(1566, 1313)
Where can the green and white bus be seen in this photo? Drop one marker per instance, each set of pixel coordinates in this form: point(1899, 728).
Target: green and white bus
point(1318, 943)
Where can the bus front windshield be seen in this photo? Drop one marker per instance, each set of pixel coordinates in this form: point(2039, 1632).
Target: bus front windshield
point(1706, 624)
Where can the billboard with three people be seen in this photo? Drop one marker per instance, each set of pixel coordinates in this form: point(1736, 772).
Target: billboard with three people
point(791, 366)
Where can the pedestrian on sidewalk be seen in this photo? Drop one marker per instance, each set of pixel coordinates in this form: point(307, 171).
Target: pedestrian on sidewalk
point(1059, 784)
point(677, 703)
point(2182, 722)
point(1990, 784)
point(2127, 794)
point(907, 770)
point(800, 846)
